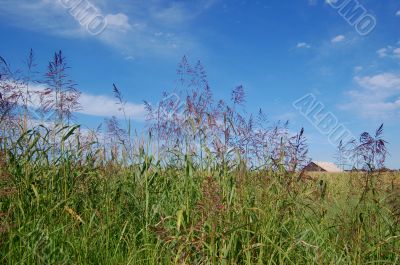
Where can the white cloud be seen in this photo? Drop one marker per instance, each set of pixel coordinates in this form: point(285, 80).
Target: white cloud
point(130, 58)
point(382, 52)
point(385, 80)
point(177, 13)
point(302, 45)
point(398, 13)
point(104, 106)
point(396, 53)
point(92, 105)
point(376, 96)
point(131, 27)
point(338, 38)
point(174, 14)
point(119, 21)
point(389, 51)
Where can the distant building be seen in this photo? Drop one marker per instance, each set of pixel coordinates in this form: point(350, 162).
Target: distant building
point(315, 166)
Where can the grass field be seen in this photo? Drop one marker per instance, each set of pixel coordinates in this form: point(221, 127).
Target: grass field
point(207, 184)
point(75, 207)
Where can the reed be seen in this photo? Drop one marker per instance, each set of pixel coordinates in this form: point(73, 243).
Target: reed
point(220, 189)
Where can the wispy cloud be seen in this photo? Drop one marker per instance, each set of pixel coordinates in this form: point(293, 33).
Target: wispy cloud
point(303, 45)
point(312, 2)
point(396, 53)
point(398, 13)
point(383, 52)
point(358, 68)
point(389, 51)
point(137, 28)
point(376, 96)
point(338, 38)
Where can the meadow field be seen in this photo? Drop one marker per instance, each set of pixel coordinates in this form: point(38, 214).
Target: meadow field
point(71, 207)
point(199, 132)
point(207, 183)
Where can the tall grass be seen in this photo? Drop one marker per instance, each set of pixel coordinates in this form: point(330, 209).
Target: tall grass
point(208, 186)
point(70, 207)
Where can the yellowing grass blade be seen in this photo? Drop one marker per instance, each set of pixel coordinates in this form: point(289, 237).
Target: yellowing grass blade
point(74, 214)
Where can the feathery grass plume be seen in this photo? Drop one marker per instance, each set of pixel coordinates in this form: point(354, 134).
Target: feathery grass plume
point(298, 151)
point(207, 126)
point(10, 96)
point(341, 155)
point(4, 68)
point(61, 94)
point(371, 150)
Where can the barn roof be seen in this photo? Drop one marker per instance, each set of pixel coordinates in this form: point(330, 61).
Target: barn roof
point(328, 166)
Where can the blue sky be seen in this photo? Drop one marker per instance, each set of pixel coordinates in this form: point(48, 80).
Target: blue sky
point(278, 50)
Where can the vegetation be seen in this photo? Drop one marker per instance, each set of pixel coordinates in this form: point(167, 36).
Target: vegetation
point(209, 185)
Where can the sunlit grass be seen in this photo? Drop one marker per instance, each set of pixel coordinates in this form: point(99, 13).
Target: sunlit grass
point(71, 206)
